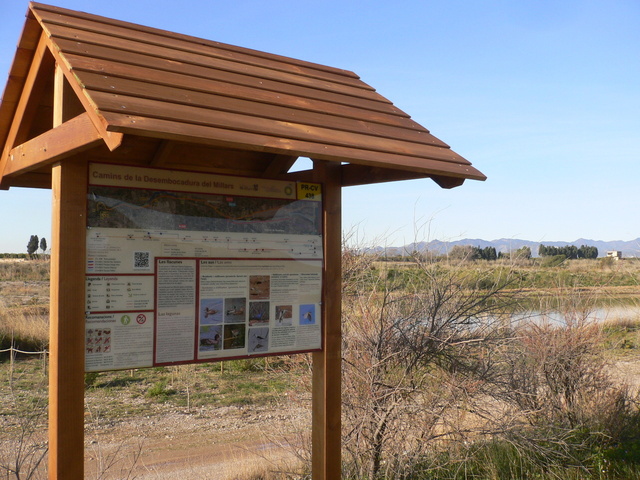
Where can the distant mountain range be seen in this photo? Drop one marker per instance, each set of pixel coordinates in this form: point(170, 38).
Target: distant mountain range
point(628, 248)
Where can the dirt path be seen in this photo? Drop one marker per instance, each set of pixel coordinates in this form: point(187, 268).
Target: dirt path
point(219, 444)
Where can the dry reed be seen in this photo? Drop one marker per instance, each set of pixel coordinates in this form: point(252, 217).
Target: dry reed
point(26, 328)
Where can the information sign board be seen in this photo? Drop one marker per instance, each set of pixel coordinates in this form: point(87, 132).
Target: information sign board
point(187, 267)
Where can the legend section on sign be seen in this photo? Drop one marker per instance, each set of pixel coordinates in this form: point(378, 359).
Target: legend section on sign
point(105, 293)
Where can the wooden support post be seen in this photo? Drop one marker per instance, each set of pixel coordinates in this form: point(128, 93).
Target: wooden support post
point(327, 383)
point(65, 102)
point(66, 370)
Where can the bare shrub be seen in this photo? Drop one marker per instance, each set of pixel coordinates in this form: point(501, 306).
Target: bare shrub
point(565, 405)
point(23, 456)
point(556, 369)
point(413, 356)
point(23, 441)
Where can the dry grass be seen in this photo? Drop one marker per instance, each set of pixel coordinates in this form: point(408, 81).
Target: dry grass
point(24, 304)
point(25, 328)
point(24, 317)
point(24, 270)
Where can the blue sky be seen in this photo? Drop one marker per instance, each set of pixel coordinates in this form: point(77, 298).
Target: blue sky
point(541, 96)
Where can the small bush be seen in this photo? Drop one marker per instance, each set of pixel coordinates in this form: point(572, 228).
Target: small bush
point(90, 378)
point(247, 365)
point(160, 391)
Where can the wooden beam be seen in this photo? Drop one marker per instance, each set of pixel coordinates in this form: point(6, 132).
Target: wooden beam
point(327, 364)
point(66, 343)
point(13, 89)
point(353, 174)
point(65, 102)
point(71, 137)
point(163, 153)
point(447, 182)
point(300, 176)
point(40, 74)
point(59, 96)
point(31, 180)
point(280, 165)
point(29, 99)
point(112, 139)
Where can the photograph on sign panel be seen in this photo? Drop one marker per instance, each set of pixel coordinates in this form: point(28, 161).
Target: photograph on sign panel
point(284, 315)
point(258, 340)
point(235, 310)
point(210, 338)
point(234, 337)
point(211, 311)
point(259, 287)
point(307, 314)
point(259, 313)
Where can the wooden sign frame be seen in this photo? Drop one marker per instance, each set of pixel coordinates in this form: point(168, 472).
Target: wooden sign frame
point(67, 336)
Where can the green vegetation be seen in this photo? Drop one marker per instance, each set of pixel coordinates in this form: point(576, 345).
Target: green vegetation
point(501, 460)
point(468, 252)
point(13, 255)
point(542, 276)
point(124, 394)
point(24, 304)
point(622, 337)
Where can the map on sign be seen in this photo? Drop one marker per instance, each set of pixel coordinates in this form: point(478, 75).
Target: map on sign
point(111, 207)
point(187, 267)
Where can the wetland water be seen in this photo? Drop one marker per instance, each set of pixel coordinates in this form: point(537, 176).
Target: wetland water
point(600, 312)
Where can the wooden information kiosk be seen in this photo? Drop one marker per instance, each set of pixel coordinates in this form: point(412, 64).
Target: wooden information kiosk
point(85, 90)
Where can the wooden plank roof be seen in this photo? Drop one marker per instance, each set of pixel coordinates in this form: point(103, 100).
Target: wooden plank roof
point(131, 81)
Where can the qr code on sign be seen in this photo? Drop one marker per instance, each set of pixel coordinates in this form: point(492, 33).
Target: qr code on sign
point(141, 260)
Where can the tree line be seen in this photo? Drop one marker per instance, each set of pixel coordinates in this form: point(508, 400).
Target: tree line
point(470, 252)
point(569, 251)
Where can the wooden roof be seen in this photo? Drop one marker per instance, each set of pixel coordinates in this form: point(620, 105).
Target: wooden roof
point(120, 92)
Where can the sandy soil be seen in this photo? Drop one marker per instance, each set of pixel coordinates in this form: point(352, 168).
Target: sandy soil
point(219, 444)
point(627, 371)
